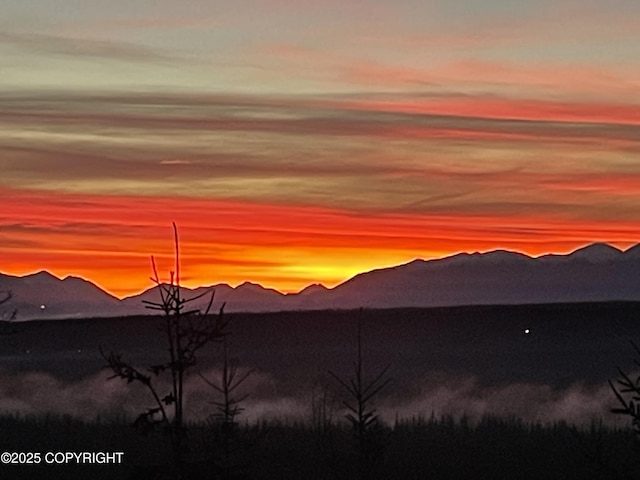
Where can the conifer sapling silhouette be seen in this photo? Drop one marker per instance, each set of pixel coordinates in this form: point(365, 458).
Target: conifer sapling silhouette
point(362, 415)
point(227, 410)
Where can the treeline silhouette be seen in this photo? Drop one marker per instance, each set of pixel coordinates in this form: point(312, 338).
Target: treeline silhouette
point(419, 448)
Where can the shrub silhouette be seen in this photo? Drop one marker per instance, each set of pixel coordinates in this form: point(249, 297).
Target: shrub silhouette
point(186, 331)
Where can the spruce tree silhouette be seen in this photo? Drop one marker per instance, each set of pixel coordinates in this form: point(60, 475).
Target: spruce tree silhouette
point(232, 442)
point(362, 415)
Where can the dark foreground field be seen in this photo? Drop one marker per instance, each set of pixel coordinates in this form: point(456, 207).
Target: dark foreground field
point(567, 342)
point(499, 402)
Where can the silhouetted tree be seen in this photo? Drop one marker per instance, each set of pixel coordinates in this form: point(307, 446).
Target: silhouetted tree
point(362, 415)
point(627, 392)
point(187, 331)
point(628, 395)
point(232, 441)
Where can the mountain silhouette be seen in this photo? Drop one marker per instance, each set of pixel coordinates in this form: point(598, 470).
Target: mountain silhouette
point(597, 272)
point(43, 295)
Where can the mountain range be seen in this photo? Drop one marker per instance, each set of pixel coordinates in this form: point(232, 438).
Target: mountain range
point(597, 272)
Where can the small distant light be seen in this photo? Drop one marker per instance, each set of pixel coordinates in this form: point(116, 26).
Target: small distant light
point(527, 331)
point(79, 351)
point(42, 307)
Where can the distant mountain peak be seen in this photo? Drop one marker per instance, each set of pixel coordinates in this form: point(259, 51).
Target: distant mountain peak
point(250, 285)
point(310, 289)
point(596, 253)
point(503, 255)
point(73, 278)
point(256, 288)
point(42, 276)
point(493, 256)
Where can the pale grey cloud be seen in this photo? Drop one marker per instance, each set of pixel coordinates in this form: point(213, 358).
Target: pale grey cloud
point(48, 44)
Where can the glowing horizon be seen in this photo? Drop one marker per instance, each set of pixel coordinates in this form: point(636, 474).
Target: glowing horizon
point(192, 282)
point(244, 241)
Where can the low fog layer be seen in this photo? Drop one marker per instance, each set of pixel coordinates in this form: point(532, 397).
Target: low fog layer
point(41, 393)
point(577, 404)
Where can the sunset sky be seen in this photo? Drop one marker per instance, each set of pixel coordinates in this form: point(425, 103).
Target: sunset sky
point(305, 141)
